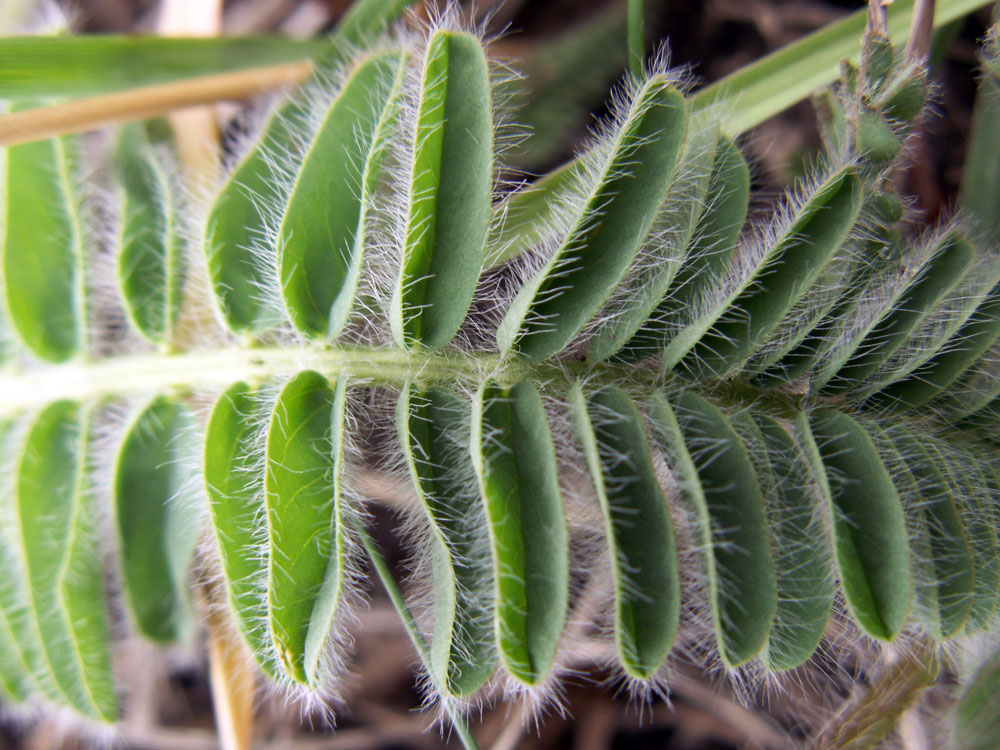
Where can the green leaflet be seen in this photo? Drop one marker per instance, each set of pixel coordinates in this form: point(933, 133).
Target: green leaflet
point(801, 544)
point(43, 247)
point(307, 538)
point(326, 220)
point(433, 431)
point(19, 651)
point(947, 601)
point(722, 496)
point(515, 463)
point(237, 219)
point(708, 256)
point(979, 489)
point(665, 247)
point(964, 310)
point(234, 483)
point(150, 260)
point(157, 518)
point(870, 537)
point(977, 714)
point(449, 192)
point(875, 255)
point(61, 563)
point(939, 274)
point(976, 335)
point(640, 534)
point(607, 233)
point(743, 315)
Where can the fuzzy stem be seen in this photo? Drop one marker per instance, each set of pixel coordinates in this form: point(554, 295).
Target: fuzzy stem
point(142, 374)
point(864, 722)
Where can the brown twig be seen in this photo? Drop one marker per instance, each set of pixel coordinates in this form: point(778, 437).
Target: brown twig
point(878, 17)
point(918, 46)
point(151, 101)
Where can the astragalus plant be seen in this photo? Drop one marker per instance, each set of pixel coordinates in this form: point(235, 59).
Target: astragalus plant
point(622, 413)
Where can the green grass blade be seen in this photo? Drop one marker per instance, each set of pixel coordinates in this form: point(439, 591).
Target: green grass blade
point(326, 220)
point(56, 523)
point(515, 463)
point(433, 429)
point(801, 546)
point(301, 489)
point(870, 535)
point(639, 530)
point(234, 483)
point(564, 80)
point(592, 259)
point(450, 174)
point(51, 66)
point(86, 65)
point(723, 497)
point(43, 247)
point(157, 518)
point(790, 74)
point(150, 259)
point(636, 37)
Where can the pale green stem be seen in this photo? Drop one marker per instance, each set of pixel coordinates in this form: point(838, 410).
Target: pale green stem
point(413, 630)
point(636, 37)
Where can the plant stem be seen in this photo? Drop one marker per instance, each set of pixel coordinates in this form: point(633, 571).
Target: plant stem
point(864, 722)
point(413, 630)
point(213, 370)
point(636, 37)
